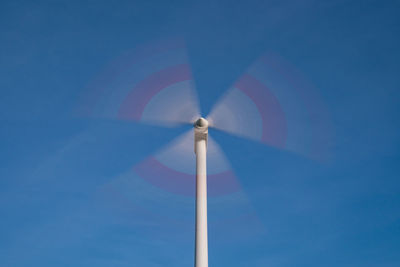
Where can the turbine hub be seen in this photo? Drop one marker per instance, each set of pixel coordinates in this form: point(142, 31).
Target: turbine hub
point(201, 124)
point(200, 131)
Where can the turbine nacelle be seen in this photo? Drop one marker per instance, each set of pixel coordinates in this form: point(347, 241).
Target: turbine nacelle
point(200, 131)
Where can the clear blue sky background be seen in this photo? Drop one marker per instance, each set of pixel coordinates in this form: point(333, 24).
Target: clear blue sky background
point(52, 212)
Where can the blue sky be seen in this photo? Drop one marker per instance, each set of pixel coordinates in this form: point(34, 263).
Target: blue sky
point(55, 204)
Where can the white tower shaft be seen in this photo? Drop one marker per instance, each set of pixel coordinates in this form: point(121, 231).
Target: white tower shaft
point(201, 250)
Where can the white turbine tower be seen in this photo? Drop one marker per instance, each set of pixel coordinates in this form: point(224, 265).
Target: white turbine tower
point(200, 148)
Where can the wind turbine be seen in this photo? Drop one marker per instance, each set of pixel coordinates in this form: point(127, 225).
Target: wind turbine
point(270, 103)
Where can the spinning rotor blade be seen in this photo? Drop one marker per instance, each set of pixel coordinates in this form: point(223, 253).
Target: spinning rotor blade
point(152, 84)
point(161, 188)
point(173, 168)
point(273, 104)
